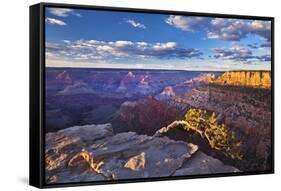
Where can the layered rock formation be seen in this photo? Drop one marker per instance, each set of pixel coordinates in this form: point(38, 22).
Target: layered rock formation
point(77, 88)
point(94, 152)
point(256, 79)
point(247, 111)
point(166, 94)
point(203, 78)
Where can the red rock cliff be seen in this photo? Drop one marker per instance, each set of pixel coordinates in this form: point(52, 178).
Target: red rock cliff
point(256, 79)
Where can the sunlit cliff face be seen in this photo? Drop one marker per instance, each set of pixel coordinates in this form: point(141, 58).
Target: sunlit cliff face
point(259, 79)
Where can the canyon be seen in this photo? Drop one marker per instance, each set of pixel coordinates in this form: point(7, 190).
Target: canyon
point(104, 124)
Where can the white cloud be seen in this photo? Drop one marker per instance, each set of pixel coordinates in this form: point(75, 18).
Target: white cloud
point(237, 29)
point(121, 43)
point(66, 41)
point(63, 12)
point(142, 43)
point(54, 21)
point(136, 24)
point(239, 54)
point(165, 46)
point(183, 22)
point(222, 28)
point(101, 50)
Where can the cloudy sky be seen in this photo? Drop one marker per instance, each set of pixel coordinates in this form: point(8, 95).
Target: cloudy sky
point(103, 39)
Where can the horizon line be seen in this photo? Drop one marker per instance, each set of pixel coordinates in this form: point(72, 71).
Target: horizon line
point(210, 70)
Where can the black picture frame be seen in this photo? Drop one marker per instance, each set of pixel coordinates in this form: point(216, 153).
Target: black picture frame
point(37, 93)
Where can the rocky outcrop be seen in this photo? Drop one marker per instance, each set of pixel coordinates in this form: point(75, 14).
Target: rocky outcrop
point(93, 153)
point(256, 79)
point(132, 84)
point(166, 94)
point(246, 111)
point(203, 78)
point(76, 89)
point(64, 77)
point(145, 116)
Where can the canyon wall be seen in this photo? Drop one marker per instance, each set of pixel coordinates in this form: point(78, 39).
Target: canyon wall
point(256, 79)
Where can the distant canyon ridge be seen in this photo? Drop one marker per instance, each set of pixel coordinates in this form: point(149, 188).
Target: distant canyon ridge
point(256, 79)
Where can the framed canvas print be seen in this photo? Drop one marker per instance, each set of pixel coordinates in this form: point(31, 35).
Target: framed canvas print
point(126, 95)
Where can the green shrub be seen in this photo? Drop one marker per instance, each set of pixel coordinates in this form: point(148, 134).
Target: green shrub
point(218, 135)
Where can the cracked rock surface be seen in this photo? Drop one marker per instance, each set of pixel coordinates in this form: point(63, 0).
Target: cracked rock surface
point(95, 153)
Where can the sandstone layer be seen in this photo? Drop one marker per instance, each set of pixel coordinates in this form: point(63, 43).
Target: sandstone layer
point(256, 79)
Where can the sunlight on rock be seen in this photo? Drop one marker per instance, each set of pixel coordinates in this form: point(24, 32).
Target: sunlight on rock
point(136, 162)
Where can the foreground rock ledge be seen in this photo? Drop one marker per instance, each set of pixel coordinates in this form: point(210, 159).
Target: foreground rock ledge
point(94, 153)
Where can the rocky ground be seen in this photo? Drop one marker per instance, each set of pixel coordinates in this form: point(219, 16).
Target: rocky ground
point(94, 153)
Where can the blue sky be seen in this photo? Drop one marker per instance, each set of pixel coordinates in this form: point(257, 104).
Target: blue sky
point(104, 39)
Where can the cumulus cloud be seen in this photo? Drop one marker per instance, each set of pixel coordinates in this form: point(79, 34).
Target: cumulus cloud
point(109, 50)
point(238, 54)
point(136, 24)
point(222, 28)
point(63, 12)
point(237, 29)
point(54, 21)
point(185, 23)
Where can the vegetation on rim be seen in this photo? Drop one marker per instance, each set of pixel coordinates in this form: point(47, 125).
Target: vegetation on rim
point(206, 125)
